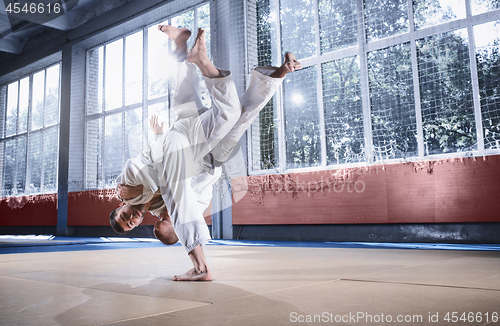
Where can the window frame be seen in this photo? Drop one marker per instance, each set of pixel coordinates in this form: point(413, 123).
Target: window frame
point(361, 49)
point(30, 131)
point(145, 103)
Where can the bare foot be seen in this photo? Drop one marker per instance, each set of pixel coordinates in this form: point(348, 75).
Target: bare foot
point(178, 35)
point(198, 55)
point(290, 65)
point(192, 275)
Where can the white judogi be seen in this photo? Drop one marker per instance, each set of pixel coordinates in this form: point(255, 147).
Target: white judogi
point(180, 164)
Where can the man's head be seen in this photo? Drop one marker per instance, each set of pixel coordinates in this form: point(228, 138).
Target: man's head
point(127, 217)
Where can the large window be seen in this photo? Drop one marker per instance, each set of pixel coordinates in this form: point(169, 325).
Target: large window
point(30, 137)
point(128, 80)
point(383, 80)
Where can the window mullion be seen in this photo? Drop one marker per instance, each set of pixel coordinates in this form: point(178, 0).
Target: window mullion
point(319, 87)
point(3, 120)
point(145, 86)
point(42, 183)
point(475, 80)
point(103, 120)
point(416, 83)
point(123, 98)
point(17, 106)
point(364, 81)
point(44, 97)
point(169, 84)
point(279, 95)
point(18, 137)
point(42, 172)
point(17, 140)
point(28, 127)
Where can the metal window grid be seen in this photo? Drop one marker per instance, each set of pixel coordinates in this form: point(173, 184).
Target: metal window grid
point(363, 47)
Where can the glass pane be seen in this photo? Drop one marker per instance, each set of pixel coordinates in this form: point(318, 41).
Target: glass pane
point(482, 6)
point(264, 32)
point(338, 24)
point(161, 110)
point(51, 115)
point(50, 154)
point(9, 167)
point(11, 121)
point(35, 162)
point(392, 99)
point(487, 40)
point(133, 68)
point(264, 130)
point(265, 138)
point(38, 99)
point(186, 20)
point(429, 13)
point(94, 74)
point(343, 111)
point(203, 20)
point(385, 18)
point(93, 156)
point(298, 28)
point(113, 75)
point(133, 133)
point(24, 97)
point(160, 62)
point(20, 164)
point(446, 93)
point(303, 144)
point(113, 148)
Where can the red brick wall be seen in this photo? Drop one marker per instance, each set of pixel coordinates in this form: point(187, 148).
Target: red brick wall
point(458, 190)
point(29, 211)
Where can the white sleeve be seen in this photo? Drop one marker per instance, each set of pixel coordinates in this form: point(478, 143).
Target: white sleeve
point(136, 172)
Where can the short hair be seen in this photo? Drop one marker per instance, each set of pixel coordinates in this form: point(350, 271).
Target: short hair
point(115, 226)
point(165, 234)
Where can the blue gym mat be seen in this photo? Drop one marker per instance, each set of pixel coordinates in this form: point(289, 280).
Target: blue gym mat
point(16, 244)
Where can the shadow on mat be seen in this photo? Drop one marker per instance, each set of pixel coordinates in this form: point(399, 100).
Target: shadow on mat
point(197, 303)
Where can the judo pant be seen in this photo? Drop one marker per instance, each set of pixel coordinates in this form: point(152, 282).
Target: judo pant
point(230, 116)
point(184, 155)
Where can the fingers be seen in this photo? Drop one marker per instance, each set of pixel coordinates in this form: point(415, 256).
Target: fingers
point(120, 190)
point(153, 121)
point(155, 126)
point(291, 62)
